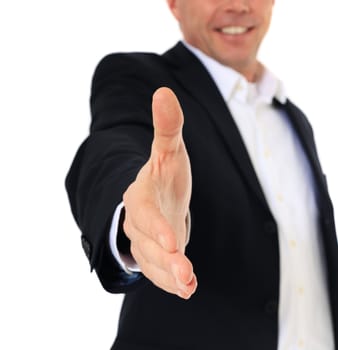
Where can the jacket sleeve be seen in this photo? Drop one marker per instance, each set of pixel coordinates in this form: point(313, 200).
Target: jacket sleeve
point(109, 159)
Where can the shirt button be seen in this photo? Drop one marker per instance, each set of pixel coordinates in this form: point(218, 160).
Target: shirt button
point(270, 227)
point(293, 243)
point(280, 198)
point(271, 307)
point(239, 87)
point(267, 154)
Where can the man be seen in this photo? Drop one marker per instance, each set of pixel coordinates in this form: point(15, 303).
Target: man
point(227, 237)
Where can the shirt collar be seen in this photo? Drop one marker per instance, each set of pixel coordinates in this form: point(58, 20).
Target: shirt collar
point(234, 85)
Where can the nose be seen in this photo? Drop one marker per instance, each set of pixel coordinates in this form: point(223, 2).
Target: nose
point(238, 6)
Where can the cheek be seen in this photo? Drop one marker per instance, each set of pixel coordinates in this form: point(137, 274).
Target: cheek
point(267, 24)
point(196, 28)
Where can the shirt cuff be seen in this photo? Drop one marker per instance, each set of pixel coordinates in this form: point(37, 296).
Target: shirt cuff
point(126, 261)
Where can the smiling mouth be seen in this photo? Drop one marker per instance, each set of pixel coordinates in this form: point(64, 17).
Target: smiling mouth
point(234, 30)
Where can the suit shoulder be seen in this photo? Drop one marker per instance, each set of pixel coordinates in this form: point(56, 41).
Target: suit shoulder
point(126, 62)
point(136, 71)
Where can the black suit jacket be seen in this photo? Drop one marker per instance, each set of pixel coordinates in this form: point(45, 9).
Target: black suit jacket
point(234, 237)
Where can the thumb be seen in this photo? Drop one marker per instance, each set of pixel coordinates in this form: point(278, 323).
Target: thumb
point(167, 121)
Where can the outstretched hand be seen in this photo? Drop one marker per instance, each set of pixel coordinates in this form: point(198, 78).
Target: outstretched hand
point(157, 203)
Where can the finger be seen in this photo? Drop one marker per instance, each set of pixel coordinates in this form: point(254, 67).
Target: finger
point(167, 120)
point(163, 281)
point(176, 264)
point(148, 221)
point(162, 278)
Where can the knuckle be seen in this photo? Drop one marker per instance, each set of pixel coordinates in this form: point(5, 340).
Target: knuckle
point(125, 196)
point(126, 228)
point(135, 253)
point(147, 250)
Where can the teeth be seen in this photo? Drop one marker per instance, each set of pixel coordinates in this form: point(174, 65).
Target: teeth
point(234, 30)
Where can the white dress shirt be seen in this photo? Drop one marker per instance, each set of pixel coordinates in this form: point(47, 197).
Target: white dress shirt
point(287, 182)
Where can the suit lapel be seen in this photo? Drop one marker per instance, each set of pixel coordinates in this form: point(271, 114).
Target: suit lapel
point(304, 132)
point(195, 79)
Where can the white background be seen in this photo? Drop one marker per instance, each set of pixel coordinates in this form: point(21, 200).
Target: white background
point(49, 49)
